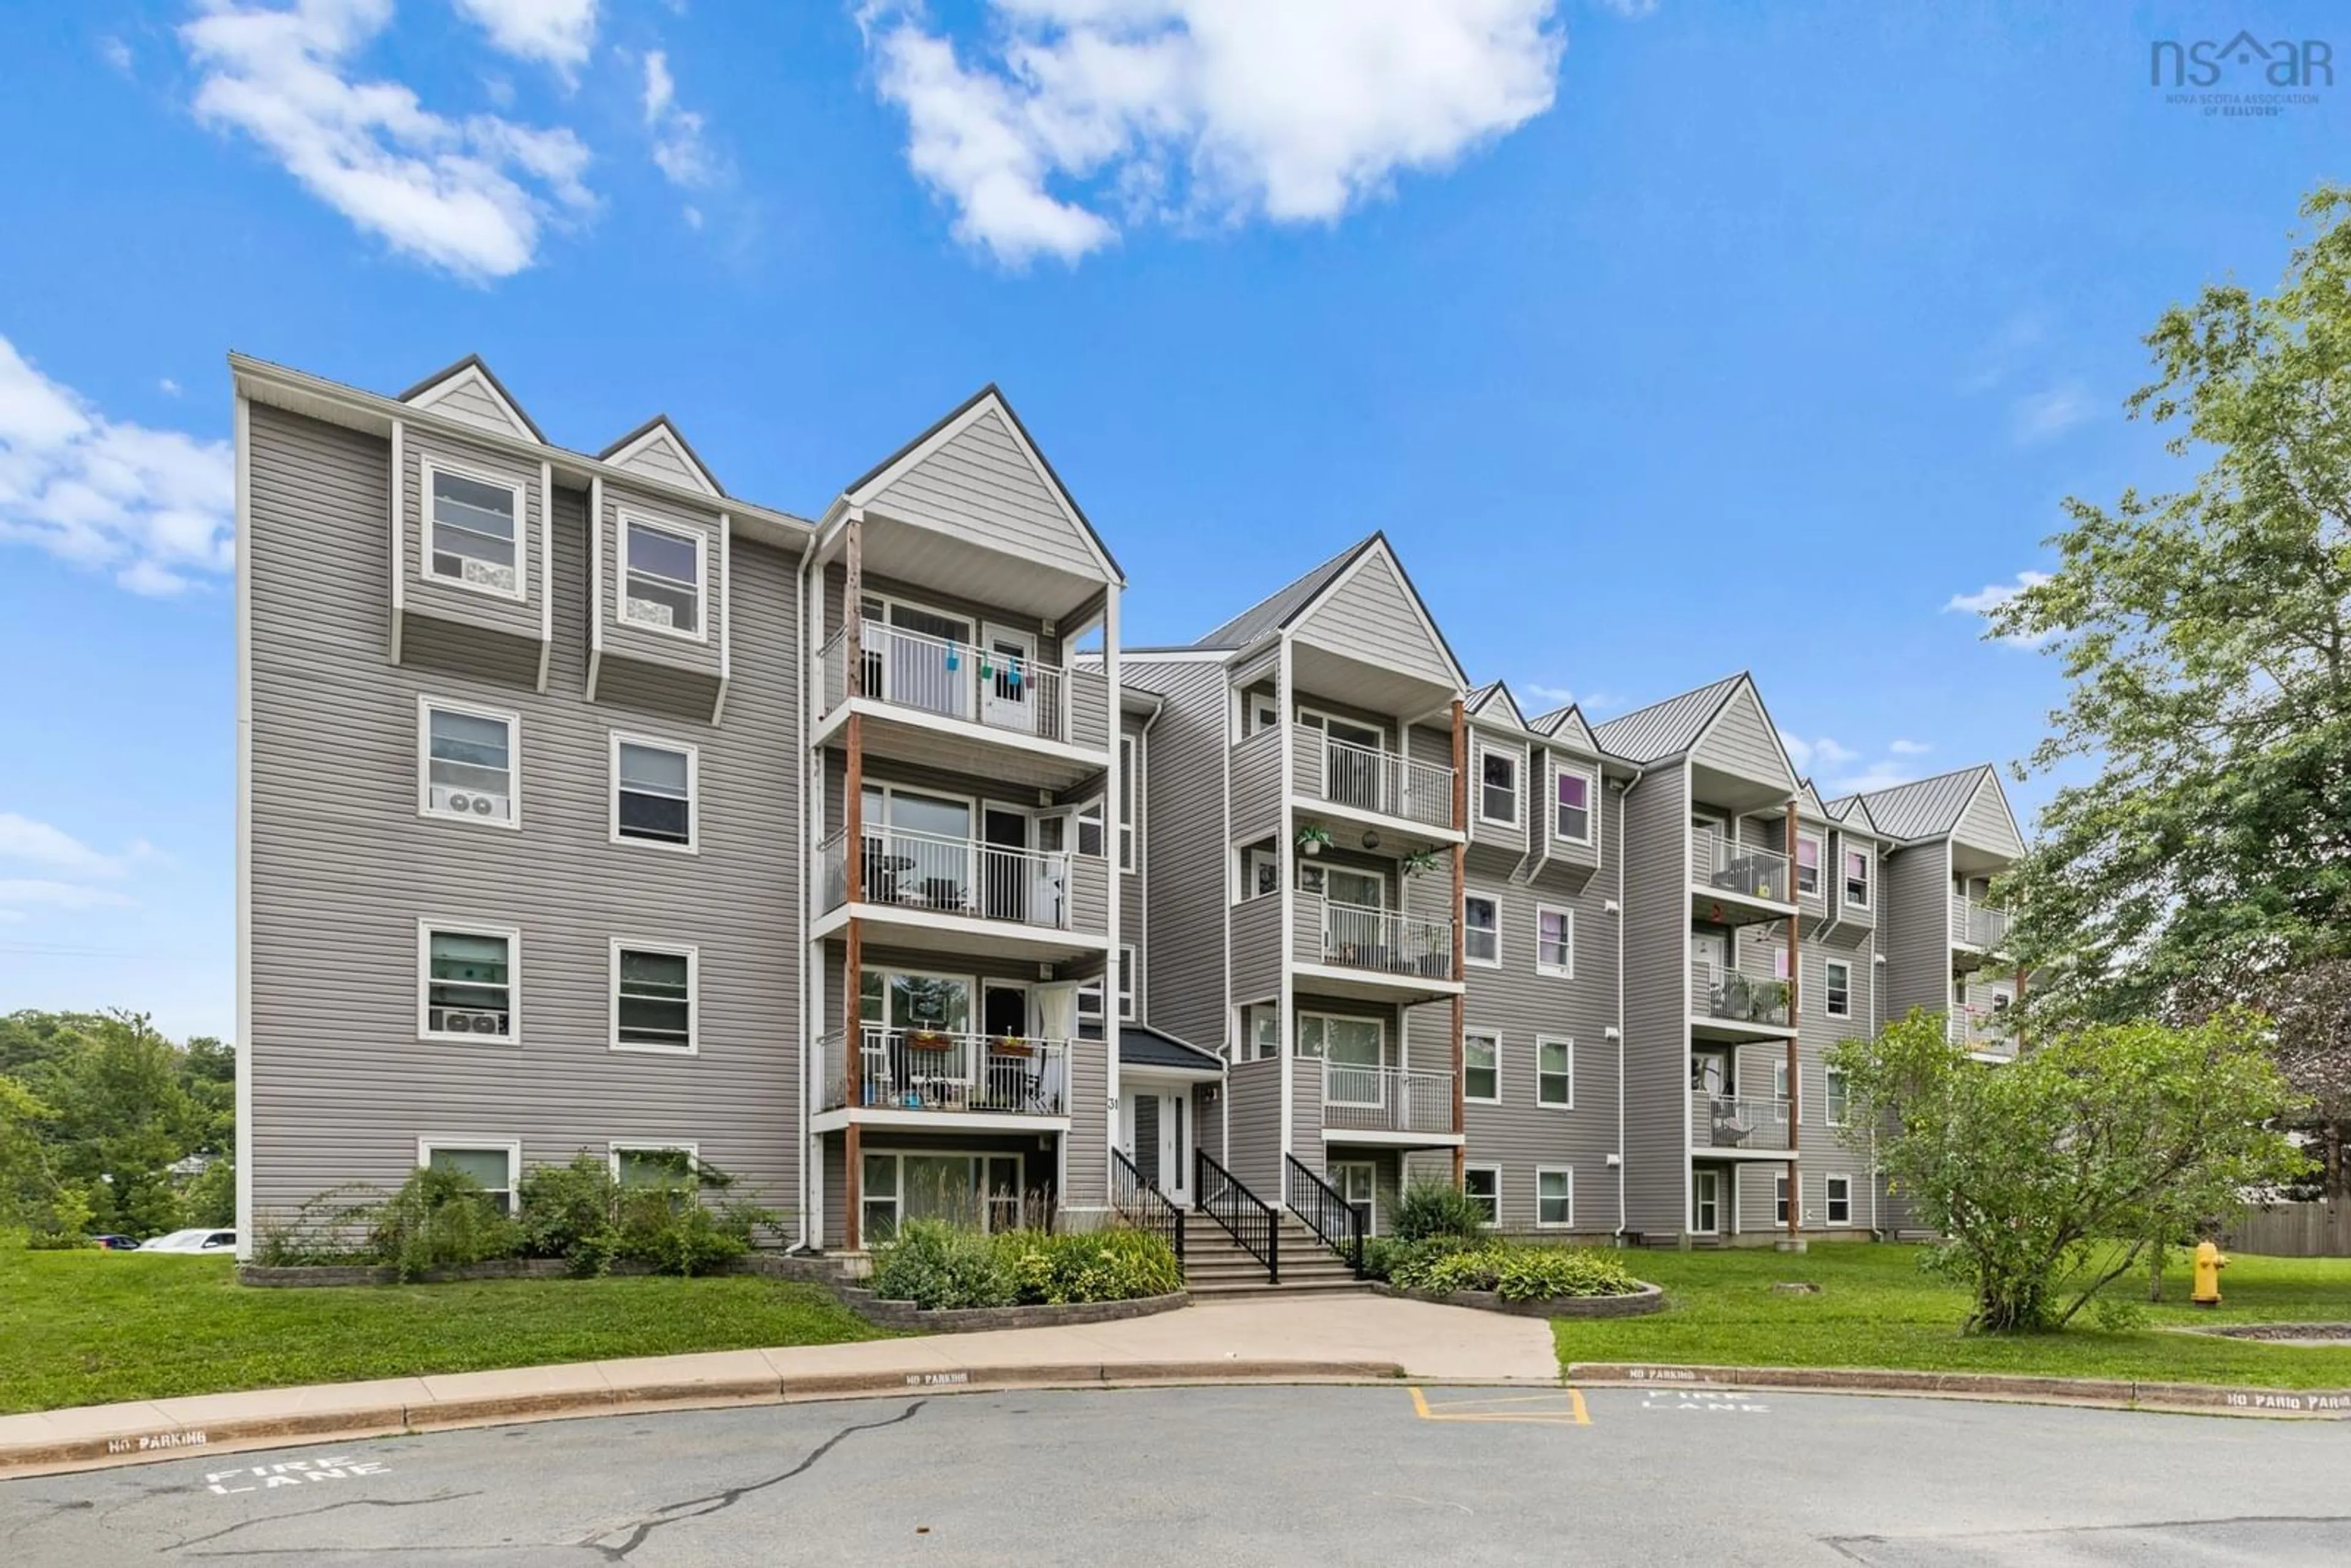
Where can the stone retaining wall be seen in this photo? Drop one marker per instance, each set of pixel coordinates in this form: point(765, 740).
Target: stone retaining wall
point(971, 1319)
point(1647, 1298)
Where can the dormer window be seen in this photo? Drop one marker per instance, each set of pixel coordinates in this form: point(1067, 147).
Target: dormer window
point(473, 531)
point(660, 579)
point(1497, 797)
point(1857, 879)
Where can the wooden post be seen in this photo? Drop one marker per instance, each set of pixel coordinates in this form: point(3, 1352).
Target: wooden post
point(1460, 950)
point(1796, 1022)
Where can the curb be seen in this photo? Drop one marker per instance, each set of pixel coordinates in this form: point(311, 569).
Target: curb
point(140, 1433)
point(2115, 1394)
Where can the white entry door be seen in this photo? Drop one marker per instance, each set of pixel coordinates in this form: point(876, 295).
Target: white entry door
point(1155, 1125)
point(1008, 683)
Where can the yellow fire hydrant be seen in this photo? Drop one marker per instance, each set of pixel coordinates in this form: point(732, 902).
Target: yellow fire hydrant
point(2208, 1264)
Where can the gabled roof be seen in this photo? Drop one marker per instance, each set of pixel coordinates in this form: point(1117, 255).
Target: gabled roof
point(1566, 725)
point(475, 368)
point(1667, 729)
point(1808, 803)
point(1850, 811)
point(1495, 702)
point(1282, 606)
point(648, 442)
point(1140, 1045)
point(1928, 808)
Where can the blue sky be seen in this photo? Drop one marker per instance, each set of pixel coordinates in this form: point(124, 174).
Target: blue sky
point(1663, 341)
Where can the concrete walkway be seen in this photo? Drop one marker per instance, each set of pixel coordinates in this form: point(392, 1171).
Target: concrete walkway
point(1272, 1339)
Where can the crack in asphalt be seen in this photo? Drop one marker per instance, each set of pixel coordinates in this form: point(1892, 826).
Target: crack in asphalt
point(314, 1512)
point(719, 1502)
point(1843, 1545)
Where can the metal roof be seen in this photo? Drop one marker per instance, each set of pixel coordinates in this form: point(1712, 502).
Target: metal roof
point(1140, 1045)
point(1667, 729)
point(1276, 609)
point(1928, 808)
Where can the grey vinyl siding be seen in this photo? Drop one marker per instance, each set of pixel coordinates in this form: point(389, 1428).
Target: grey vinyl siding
point(1131, 927)
point(1089, 709)
point(1208, 1121)
point(659, 459)
point(1545, 829)
point(1254, 1089)
point(470, 401)
point(1985, 823)
point(1854, 921)
point(1183, 824)
point(1257, 806)
point(1657, 920)
point(1371, 617)
point(1387, 1175)
point(1306, 1116)
point(343, 868)
point(1824, 1149)
point(980, 488)
point(943, 601)
point(1511, 837)
point(1257, 949)
point(1914, 890)
point(676, 663)
point(430, 643)
point(1741, 741)
point(437, 597)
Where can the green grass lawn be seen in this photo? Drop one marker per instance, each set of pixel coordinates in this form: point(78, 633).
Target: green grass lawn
point(90, 1328)
point(1877, 1308)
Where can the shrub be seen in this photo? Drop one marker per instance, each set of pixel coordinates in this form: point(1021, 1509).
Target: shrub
point(1109, 1265)
point(565, 1207)
point(939, 1266)
point(1385, 1255)
point(1516, 1271)
point(1433, 1208)
point(440, 1220)
point(582, 1213)
point(330, 1228)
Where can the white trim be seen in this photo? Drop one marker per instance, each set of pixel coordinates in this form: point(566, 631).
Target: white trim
point(1820, 842)
point(595, 582)
point(1690, 1217)
point(726, 614)
point(693, 956)
point(1591, 777)
point(1379, 548)
point(399, 532)
point(1869, 879)
point(658, 430)
point(1784, 1190)
point(1567, 1224)
point(1569, 1041)
point(1130, 996)
point(624, 519)
point(546, 553)
point(1830, 1075)
point(1517, 757)
point(1487, 1034)
point(616, 1147)
point(1130, 832)
point(1564, 971)
point(1789, 780)
point(898, 1181)
point(428, 466)
point(241, 417)
point(1496, 1172)
point(1331, 1169)
point(620, 737)
point(425, 705)
point(425, 926)
point(1828, 988)
point(438, 392)
point(455, 1143)
point(1827, 1215)
point(1496, 961)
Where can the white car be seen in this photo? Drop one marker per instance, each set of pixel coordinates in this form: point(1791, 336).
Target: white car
point(200, 1240)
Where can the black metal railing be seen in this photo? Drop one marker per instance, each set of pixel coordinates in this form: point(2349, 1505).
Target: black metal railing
point(1327, 1213)
point(1142, 1205)
point(1247, 1218)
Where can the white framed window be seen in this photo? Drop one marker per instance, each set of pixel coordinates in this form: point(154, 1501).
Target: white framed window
point(1555, 1072)
point(1261, 1031)
point(1260, 874)
point(1090, 1024)
point(494, 1163)
point(1497, 786)
point(1572, 814)
point(1706, 1203)
point(1357, 1181)
point(468, 763)
point(1808, 865)
point(1836, 1101)
point(655, 997)
point(1555, 941)
point(986, 1187)
point(468, 982)
point(1481, 930)
point(656, 790)
point(1089, 827)
point(1780, 1089)
point(1483, 1184)
point(1840, 1195)
point(637, 1164)
point(1857, 879)
point(1130, 800)
point(473, 530)
point(1836, 995)
point(1554, 1197)
point(1481, 1067)
point(662, 574)
point(1126, 983)
point(1779, 1198)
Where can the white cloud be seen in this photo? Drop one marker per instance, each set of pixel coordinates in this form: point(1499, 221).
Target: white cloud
point(1821, 752)
point(24, 842)
point(1175, 108)
point(1876, 775)
point(1631, 10)
point(1991, 596)
point(681, 145)
point(561, 33)
point(1557, 696)
point(2010, 345)
point(168, 387)
point(115, 53)
point(18, 893)
point(470, 196)
point(156, 507)
point(2050, 412)
point(1561, 696)
point(1908, 748)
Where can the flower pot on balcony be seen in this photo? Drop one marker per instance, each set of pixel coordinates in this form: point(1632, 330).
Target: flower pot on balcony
point(928, 1040)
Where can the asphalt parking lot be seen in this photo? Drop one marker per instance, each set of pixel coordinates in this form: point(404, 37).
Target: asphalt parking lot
point(1244, 1475)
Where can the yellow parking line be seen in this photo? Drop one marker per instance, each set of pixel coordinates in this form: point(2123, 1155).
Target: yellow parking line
point(1576, 1415)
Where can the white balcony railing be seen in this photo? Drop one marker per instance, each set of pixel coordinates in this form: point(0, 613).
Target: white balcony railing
point(1360, 1099)
point(1730, 1121)
point(934, 1070)
point(1742, 869)
point(1357, 936)
point(954, 680)
point(1737, 996)
point(1387, 782)
point(1975, 925)
point(1981, 1028)
point(952, 876)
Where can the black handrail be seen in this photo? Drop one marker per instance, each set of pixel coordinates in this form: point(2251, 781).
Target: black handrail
point(1247, 1217)
point(1142, 1202)
point(1327, 1213)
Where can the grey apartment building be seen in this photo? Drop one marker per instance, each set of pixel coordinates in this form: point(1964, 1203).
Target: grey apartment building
point(584, 806)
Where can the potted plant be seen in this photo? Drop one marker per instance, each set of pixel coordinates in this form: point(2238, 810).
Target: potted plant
point(1009, 1045)
point(1421, 862)
point(1312, 838)
point(927, 1039)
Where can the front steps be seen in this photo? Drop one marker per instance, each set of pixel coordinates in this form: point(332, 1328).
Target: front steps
point(1219, 1269)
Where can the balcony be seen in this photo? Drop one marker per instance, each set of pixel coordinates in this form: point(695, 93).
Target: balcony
point(1726, 1003)
point(1721, 868)
point(1978, 926)
point(1986, 1032)
point(1385, 1100)
point(922, 1071)
point(1372, 782)
point(1378, 954)
point(932, 690)
point(1729, 1124)
point(930, 880)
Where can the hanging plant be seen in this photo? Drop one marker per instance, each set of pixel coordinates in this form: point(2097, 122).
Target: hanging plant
point(1421, 862)
point(1312, 838)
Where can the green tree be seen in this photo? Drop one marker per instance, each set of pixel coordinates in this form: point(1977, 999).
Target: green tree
point(2052, 1176)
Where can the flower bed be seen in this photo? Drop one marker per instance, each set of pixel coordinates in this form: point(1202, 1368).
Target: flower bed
point(1528, 1277)
point(933, 1266)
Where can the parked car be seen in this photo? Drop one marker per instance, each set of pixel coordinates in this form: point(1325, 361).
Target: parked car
point(198, 1241)
point(116, 1243)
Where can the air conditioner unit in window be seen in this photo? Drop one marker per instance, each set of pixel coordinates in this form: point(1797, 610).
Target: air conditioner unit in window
point(482, 803)
point(471, 1023)
point(650, 612)
point(488, 574)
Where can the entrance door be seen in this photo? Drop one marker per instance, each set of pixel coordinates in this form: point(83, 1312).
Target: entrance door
point(1706, 1203)
point(1355, 772)
point(1004, 878)
point(1155, 1125)
point(1008, 685)
point(1357, 1183)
